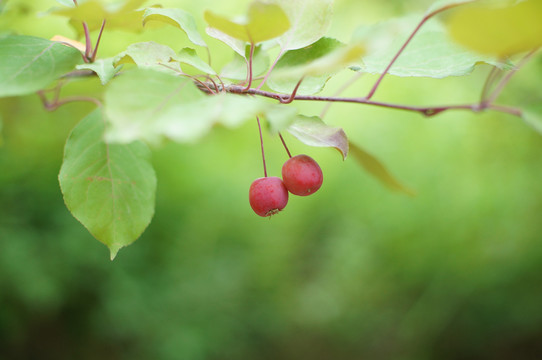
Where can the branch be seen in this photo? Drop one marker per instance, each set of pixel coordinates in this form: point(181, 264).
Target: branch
point(423, 110)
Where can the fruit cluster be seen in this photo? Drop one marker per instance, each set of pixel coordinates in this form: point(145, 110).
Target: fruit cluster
point(301, 175)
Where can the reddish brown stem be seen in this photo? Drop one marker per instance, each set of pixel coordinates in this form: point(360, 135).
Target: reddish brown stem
point(249, 71)
point(261, 143)
point(292, 96)
point(95, 51)
point(285, 147)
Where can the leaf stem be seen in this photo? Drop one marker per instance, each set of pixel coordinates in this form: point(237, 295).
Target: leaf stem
point(271, 69)
point(501, 85)
point(56, 103)
point(95, 51)
point(409, 39)
point(249, 72)
point(345, 86)
point(492, 76)
point(261, 143)
point(88, 43)
point(292, 96)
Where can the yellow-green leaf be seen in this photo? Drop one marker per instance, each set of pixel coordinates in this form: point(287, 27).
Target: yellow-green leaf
point(499, 30)
point(263, 22)
point(93, 13)
point(378, 170)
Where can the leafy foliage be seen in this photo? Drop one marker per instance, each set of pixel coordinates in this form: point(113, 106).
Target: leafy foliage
point(178, 18)
point(109, 188)
point(154, 93)
point(94, 12)
point(162, 106)
point(264, 22)
point(507, 30)
point(430, 54)
point(314, 132)
point(28, 64)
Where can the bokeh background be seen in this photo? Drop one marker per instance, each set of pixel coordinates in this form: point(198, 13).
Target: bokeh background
point(353, 272)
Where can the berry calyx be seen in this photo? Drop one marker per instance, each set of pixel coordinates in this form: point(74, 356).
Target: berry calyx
point(267, 196)
point(302, 175)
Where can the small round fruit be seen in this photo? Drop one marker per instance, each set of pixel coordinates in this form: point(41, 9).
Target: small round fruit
point(267, 196)
point(302, 175)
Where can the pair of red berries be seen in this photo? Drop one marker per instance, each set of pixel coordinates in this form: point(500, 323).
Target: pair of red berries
point(301, 175)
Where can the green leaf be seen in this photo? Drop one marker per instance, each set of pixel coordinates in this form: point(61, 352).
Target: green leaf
point(279, 117)
point(316, 63)
point(372, 165)
point(442, 4)
point(149, 55)
point(313, 131)
point(237, 45)
point(264, 21)
point(237, 69)
point(161, 107)
point(533, 117)
point(309, 19)
point(104, 68)
point(190, 57)
point(178, 18)
point(506, 30)
point(431, 53)
point(28, 64)
point(126, 17)
point(68, 3)
point(109, 188)
point(1, 136)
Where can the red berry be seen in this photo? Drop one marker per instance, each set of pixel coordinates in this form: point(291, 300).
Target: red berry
point(302, 175)
point(268, 196)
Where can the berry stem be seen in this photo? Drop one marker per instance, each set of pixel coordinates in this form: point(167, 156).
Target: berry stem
point(285, 147)
point(261, 143)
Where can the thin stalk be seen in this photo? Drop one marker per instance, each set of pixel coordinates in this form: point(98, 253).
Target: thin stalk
point(345, 86)
point(88, 43)
point(249, 72)
point(285, 147)
point(95, 51)
point(261, 142)
point(292, 96)
point(270, 69)
point(493, 74)
point(508, 76)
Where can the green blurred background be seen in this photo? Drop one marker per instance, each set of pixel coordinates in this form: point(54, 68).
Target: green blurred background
point(353, 272)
